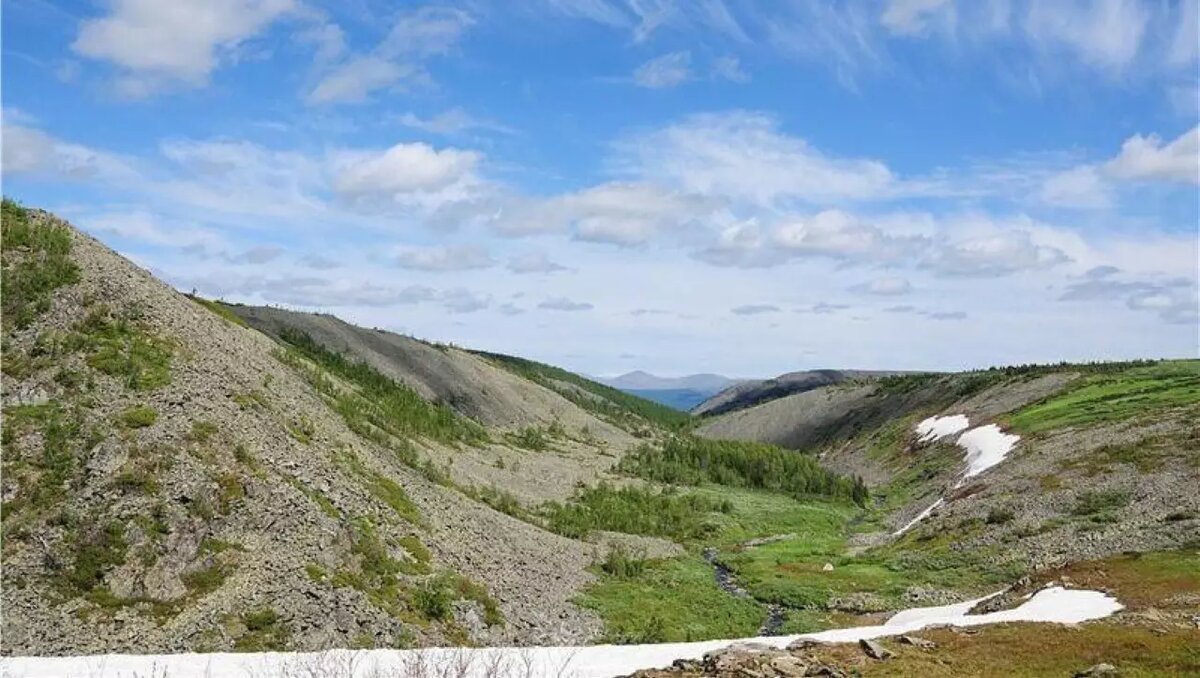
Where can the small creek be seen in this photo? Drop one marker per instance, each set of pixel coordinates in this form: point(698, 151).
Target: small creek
point(727, 581)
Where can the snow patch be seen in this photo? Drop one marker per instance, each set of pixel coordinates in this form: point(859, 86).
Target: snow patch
point(920, 516)
point(935, 428)
point(1065, 606)
point(986, 446)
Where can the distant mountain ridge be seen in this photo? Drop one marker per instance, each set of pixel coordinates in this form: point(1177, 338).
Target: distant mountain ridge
point(746, 394)
point(639, 380)
point(682, 393)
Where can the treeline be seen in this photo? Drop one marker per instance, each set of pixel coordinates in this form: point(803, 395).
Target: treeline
point(688, 460)
point(634, 510)
point(382, 402)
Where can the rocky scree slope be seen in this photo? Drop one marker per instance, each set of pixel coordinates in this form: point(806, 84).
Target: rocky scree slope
point(747, 394)
point(1103, 465)
point(175, 481)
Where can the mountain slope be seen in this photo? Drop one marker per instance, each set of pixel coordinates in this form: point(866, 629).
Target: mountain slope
point(176, 481)
point(750, 393)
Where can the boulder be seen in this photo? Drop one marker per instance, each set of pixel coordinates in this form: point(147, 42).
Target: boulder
point(1098, 671)
point(873, 649)
point(918, 642)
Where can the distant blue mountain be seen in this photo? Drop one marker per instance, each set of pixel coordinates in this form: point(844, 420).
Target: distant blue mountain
point(679, 398)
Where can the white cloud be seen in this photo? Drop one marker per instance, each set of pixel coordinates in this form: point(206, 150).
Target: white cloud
point(443, 258)
point(27, 150)
point(996, 254)
point(565, 304)
point(912, 17)
point(744, 156)
point(452, 121)
point(1080, 187)
point(464, 301)
point(836, 234)
point(354, 80)
point(405, 174)
point(729, 68)
point(668, 70)
point(1149, 158)
point(144, 227)
point(619, 213)
point(534, 262)
point(159, 44)
point(1107, 34)
point(1173, 299)
point(400, 57)
point(887, 286)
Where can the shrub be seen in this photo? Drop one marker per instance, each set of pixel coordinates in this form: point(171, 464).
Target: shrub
point(633, 510)
point(117, 348)
point(999, 516)
point(95, 552)
point(688, 460)
point(36, 261)
point(139, 416)
point(1092, 503)
point(623, 565)
point(530, 438)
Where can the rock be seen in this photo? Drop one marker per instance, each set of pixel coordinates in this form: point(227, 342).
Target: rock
point(825, 670)
point(788, 666)
point(918, 642)
point(804, 644)
point(738, 656)
point(828, 567)
point(873, 649)
point(1097, 671)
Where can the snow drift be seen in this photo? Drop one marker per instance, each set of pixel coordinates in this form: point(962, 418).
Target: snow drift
point(1055, 604)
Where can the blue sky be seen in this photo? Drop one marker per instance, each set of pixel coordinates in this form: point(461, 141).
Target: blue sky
point(718, 185)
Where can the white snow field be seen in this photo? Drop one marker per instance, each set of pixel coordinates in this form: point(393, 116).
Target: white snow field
point(936, 428)
point(1054, 604)
point(986, 446)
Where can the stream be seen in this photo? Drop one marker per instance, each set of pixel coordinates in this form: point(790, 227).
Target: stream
point(727, 581)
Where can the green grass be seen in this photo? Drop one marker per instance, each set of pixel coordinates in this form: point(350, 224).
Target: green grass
point(36, 262)
point(220, 309)
point(119, 348)
point(689, 460)
point(265, 632)
point(379, 403)
point(530, 438)
point(46, 476)
point(671, 600)
point(138, 416)
point(384, 488)
point(616, 405)
point(634, 510)
point(1114, 396)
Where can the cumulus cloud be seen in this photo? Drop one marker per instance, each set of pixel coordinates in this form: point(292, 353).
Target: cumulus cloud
point(443, 258)
point(754, 309)
point(836, 234)
point(564, 304)
point(668, 70)
point(995, 255)
point(256, 255)
point(1148, 158)
point(619, 213)
point(405, 174)
point(463, 301)
point(163, 44)
point(823, 308)
point(534, 262)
